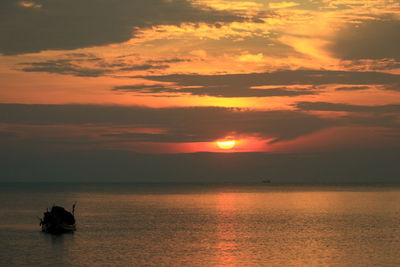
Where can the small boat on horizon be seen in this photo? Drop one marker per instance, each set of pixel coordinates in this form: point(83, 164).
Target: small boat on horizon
point(58, 220)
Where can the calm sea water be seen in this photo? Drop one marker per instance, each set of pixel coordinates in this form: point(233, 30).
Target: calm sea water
point(203, 225)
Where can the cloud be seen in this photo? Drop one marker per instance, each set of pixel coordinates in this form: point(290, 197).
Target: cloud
point(380, 64)
point(168, 60)
point(370, 39)
point(192, 124)
point(88, 126)
point(63, 66)
point(144, 67)
point(251, 85)
point(393, 86)
point(142, 88)
point(287, 77)
point(351, 88)
point(162, 137)
point(73, 66)
point(386, 116)
point(326, 106)
point(71, 24)
point(222, 91)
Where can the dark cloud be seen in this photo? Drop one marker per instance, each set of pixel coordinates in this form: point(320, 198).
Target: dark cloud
point(377, 119)
point(393, 86)
point(87, 57)
point(144, 67)
point(243, 85)
point(371, 39)
point(387, 65)
point(72, 66)
point(352, 88)
point(161, 138)
point(224, 91)
point(63, 66)
point(102, 125)
point(170, 60)
point(71, 24)
point(302, 77)
point(66, 157)
point(194, 123)
point(141, 88)
point(326, 106)
point(386, 116)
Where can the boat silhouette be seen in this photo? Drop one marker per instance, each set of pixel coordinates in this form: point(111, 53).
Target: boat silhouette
point(58, 220)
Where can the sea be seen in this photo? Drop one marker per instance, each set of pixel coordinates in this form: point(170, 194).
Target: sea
point(203, 225)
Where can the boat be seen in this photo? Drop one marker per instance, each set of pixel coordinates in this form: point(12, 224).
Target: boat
point(58, 220)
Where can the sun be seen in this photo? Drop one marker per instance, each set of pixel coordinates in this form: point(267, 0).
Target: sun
point(226, 144)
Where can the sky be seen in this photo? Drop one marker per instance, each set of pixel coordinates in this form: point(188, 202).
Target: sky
point(299, 91)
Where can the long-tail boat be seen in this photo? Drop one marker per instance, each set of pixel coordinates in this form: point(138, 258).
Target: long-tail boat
point(58, 220)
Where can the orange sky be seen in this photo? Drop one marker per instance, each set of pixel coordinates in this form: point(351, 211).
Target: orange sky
point(288, 76)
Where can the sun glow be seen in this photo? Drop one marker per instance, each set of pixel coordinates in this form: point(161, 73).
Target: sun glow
point(226, 144)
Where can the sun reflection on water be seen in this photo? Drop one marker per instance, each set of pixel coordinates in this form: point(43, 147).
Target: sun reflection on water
point(227, 245)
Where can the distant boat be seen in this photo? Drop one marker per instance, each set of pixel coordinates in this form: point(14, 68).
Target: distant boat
point(58, 220)
point(266, 181)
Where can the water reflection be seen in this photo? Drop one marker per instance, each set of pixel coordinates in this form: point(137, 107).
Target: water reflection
point(260, 226)
point(226, 247)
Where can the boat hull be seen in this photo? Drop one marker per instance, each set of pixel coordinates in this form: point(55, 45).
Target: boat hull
point(59, 228)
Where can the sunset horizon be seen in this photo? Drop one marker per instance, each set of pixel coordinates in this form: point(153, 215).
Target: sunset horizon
point(314, 80)
point(199, 133)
